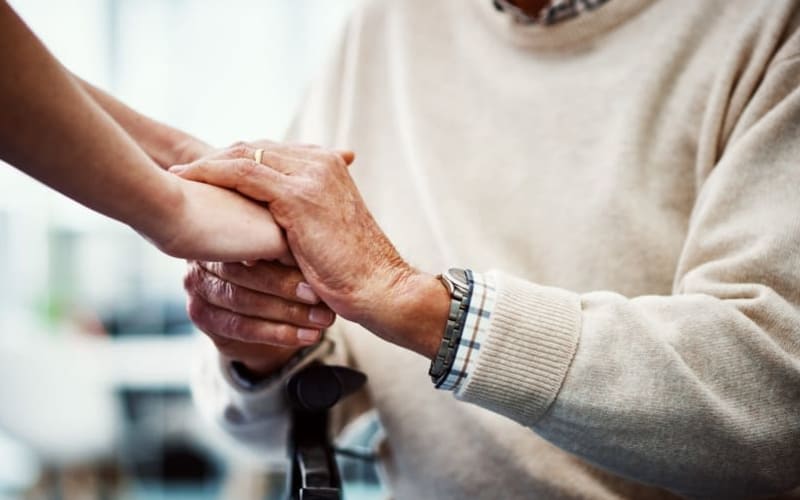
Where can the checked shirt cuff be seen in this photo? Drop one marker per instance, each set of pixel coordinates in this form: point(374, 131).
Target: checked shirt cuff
point(476, 329)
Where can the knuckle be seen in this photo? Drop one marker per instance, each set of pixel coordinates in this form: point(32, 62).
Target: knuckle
point(196, 310)
point(284, 334)
point(218, 291)
point(235, 296)
point(301, 190)
point(332, 159)
point(233, 325)
point(212, 267)
point(190, 278)
point(224, 270)
point(311, 191)
point(287, 286)
point(291, 311)
point(206, 285)
point(239, 150)
point(202, 284)
point(225, 293)
point(245, 168)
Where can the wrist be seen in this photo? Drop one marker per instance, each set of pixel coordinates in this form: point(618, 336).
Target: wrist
point(161, 223)
point(157, 217)
point(258, 372)
point(264, 366)
point(411, 312)
point(184, 149)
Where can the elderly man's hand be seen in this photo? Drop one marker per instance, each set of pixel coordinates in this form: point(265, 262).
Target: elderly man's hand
point(259, 315)
point(338, 246)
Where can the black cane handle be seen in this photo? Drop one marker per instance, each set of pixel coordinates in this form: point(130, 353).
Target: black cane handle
point(318, 387)
point(312, 392)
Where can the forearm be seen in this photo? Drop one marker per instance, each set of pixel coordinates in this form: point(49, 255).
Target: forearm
point(166, 145)
point(645, 387)
point(695, 391)
point(650, 388)
point(52, 130)
point(653, 387)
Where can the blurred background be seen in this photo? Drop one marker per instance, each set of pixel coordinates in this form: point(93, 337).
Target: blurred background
point(95, 348)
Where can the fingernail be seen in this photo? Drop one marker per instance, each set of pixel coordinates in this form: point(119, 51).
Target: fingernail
point(307, 335)
point(305, 292)
point(320, 316)
point(176, 169)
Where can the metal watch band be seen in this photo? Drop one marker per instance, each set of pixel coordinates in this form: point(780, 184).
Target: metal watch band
point(459, 284)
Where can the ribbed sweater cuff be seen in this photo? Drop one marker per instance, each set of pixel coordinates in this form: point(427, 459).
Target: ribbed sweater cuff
point(532, 339)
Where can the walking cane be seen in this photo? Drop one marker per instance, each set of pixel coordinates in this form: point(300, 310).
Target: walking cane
point(312, 392)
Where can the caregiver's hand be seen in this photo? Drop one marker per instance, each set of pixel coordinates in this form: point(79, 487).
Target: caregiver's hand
point(213, 223)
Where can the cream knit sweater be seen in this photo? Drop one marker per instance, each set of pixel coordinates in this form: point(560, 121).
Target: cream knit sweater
point(635, 174)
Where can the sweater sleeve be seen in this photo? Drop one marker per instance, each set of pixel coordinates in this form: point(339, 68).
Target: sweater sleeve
point(257, 421)
point(698, 391)
point(257, 418)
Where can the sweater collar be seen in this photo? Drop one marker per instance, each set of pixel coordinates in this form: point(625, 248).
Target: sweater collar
point(562, 35)
point(555, 11)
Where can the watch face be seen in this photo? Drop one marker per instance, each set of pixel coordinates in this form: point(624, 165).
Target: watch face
point(458, 277)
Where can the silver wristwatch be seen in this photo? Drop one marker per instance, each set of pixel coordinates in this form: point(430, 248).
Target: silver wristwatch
point(459, 283)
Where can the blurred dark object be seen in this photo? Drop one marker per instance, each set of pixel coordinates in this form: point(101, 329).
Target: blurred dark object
point(148, 318)
point(158, 446)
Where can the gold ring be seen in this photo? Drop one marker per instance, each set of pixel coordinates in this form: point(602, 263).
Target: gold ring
point(257, 155)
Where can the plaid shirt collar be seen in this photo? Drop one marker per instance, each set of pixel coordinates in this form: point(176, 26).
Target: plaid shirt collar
point(555, 12)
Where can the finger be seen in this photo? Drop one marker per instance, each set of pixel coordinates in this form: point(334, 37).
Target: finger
point(218, 322)
point(250, 303)
point(245, 176)
point(237, 150)
point(347, 155)
point(250, 353)
point(246, 150)
point(265, 277)
point(286, 162)
point(290, 158)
